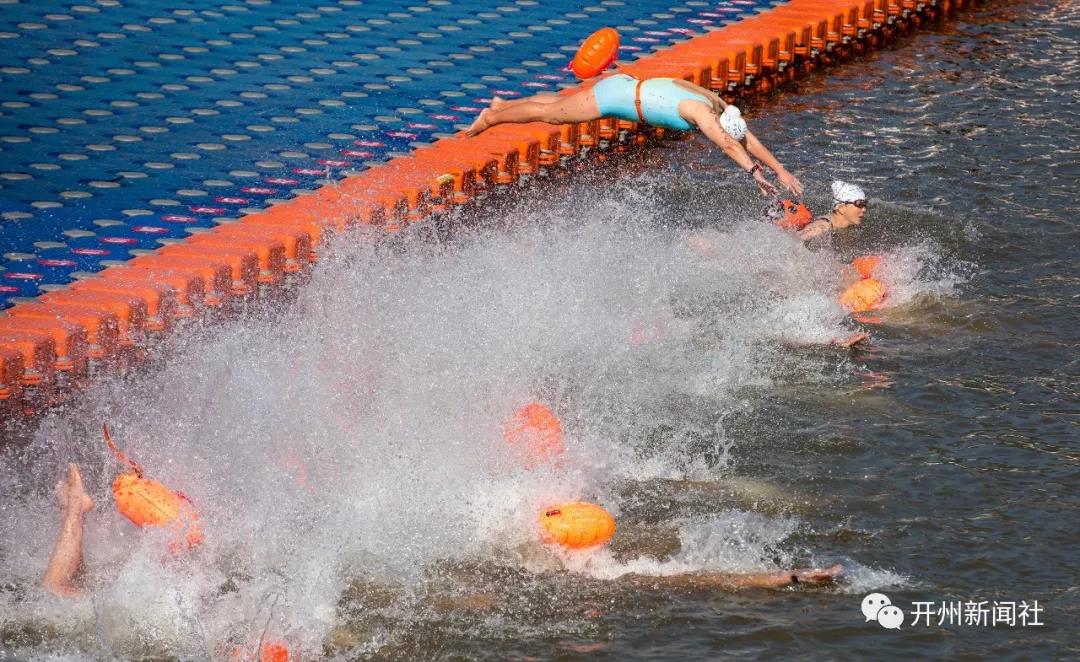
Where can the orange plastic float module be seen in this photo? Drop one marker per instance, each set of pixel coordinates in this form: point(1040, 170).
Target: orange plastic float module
point(536, 431)
point(244, 261)
point(596, 54)
point(577, 525)
point(149, 503)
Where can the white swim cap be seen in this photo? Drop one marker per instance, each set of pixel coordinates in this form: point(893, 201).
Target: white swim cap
point(732, 121)
point(842, 193)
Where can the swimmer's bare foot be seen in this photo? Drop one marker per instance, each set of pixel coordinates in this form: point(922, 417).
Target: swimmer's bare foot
point(71, 493)
point(481, 123)
point(819, 576)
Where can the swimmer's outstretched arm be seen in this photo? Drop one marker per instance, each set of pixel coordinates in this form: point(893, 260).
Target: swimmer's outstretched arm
point(67, 553)
point(734, 582)
point(709, 123)
point(787, 180)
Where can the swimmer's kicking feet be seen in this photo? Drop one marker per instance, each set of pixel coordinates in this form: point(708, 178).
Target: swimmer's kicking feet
point(664, 102)
point(67, 553)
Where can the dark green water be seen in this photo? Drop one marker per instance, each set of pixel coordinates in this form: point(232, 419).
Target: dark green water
point(961, 471)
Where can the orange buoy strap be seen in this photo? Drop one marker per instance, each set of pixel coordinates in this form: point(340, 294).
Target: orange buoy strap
point(132, 464)
point(637, 101)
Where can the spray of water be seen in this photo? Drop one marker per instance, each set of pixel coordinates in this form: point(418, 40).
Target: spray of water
point(345, 453)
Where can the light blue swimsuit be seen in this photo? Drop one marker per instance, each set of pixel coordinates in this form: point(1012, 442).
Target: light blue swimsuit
point(660, 98)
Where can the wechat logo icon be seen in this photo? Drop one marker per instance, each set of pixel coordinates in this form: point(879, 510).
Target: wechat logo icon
point(878, 607)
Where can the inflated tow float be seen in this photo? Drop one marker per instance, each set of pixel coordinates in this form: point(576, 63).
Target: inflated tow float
point(149, 503)
point(577, 525)
point(866, 265)
point(867, 294)
point(596, 54)
point(793, 215)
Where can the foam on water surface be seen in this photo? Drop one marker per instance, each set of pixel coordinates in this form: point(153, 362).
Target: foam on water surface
point(359, 434)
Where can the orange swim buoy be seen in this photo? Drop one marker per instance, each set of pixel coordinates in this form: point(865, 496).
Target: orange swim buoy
point(149, 503)
point(867, 294)
point(272, 651)
point(536, 431)
point(796, 215)
point(577, 525)
point(866, 265)
point(596, 54)
point(275, 651)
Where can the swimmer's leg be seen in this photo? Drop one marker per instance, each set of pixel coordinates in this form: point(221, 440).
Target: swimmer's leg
point(67, 553)
point(500, 105)
point(579, 107)
point(537, 98)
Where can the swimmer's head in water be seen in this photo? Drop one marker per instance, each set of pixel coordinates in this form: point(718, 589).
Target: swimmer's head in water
point(732, 122)
point(845, 193)
point(849, 202)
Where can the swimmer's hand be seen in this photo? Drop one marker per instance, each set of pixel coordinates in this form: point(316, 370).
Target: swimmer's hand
point(767, 188)
point(789, 181)
point(71, 494)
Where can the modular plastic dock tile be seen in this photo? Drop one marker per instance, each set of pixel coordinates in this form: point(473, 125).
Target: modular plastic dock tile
point(124, 129)
point(378, 99)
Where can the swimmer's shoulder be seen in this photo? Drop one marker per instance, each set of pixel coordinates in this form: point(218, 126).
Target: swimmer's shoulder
point(815, 228)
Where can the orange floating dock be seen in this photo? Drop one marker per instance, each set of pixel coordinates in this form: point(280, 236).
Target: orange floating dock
point(103, 324)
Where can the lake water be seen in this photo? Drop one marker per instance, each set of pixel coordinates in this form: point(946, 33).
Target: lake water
point(359, 500)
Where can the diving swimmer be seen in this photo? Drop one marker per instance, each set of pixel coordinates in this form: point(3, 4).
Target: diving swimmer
point(849, 207)
point(663, 102)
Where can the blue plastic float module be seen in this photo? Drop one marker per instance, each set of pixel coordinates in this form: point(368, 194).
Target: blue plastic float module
point(123, 124)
